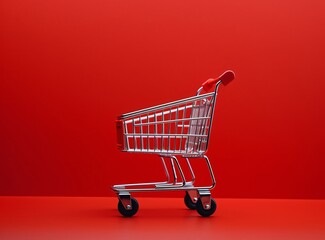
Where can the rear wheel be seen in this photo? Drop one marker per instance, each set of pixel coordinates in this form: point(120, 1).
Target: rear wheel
point(128, 212)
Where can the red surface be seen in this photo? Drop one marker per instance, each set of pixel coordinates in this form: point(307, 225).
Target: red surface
point(97, 218)
point(68, 68)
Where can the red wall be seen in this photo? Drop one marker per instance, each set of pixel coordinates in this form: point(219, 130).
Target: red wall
point(68, 68)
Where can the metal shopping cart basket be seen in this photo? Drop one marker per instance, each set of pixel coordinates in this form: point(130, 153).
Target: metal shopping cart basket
point(179, 129)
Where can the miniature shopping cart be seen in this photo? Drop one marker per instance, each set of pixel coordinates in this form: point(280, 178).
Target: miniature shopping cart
point(179, 129)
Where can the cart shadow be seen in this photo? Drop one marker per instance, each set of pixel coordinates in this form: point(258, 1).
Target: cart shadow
point(144, 213)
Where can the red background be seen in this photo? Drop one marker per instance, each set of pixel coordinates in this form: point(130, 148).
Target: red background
point(69, 68)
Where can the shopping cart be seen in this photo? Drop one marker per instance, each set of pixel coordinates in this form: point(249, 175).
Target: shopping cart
point(181, 128)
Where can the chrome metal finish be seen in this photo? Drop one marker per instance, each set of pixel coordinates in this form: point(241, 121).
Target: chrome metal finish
point(179, 129)
point(125, 198)
point(191, 170)
point(194, 195)
point(205, 197)
point(174, 170)
point(167, 185)
point(165, 168)
point(199, 91)
point(213, 179)
point(180, 171)
point(162, 106)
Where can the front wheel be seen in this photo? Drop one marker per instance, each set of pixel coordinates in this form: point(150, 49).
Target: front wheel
point(203, 211)
point(128, 212)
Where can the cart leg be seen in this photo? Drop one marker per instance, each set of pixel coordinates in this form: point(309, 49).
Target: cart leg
point(213, 179)
point(174, 170)
point(166, 170)
point(191, 170)
point(180, 170)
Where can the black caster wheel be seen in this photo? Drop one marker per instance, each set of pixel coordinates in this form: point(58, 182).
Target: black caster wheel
point(128, 212)
point(206, 212)
point(188, 202)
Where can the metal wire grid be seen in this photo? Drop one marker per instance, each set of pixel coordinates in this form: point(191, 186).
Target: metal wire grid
point(180, 127)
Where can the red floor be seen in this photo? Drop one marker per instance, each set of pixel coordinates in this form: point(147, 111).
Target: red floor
point(159, 218)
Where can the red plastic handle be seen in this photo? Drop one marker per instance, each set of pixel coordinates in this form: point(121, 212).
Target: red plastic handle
point(225, 78)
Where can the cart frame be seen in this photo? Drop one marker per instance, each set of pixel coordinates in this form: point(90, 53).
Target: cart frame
point(176, 129)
